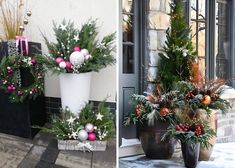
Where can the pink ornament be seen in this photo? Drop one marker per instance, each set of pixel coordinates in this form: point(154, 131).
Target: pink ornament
point(89, 127)
point(68, 65)
point(87, 57)
point(33, 61)
point(9, 88)
point(20, 93)
point(13, 87)
point(92, 137)
point(59, 60)
point(76, 49)
point(39, 75)
point(9, 70)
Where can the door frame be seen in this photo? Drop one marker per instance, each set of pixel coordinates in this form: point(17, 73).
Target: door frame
point(142, 61)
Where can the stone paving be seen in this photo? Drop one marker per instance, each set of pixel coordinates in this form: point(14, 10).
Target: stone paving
point(42, 152)
point(223, 156)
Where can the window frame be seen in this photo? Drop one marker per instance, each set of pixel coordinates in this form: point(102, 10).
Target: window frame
point(210, 31)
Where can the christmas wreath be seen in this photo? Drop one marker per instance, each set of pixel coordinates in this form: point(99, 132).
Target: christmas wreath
point(11, 69)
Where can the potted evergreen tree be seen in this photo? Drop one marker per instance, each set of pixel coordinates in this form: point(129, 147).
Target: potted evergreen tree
point(74, 55)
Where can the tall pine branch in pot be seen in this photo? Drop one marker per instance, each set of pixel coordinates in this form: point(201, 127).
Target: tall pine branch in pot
point(178, 54)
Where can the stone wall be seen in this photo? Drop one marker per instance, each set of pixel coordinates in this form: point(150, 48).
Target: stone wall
point(226, 122)
point(157, 23)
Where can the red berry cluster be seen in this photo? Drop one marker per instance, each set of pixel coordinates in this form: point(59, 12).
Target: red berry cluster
point(9, 70)
point(181, 127)
point(190, 95)
point(198, 130)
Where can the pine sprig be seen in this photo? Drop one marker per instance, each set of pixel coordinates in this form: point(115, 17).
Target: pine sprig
point(62, 127)
point(68, 37)
point(178, 53)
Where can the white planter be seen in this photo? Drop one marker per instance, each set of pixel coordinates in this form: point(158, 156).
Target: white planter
point(82, 146)
point(75, 90)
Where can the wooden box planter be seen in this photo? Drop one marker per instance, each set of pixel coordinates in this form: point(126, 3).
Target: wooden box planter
point(18, 118)
point(77, 145)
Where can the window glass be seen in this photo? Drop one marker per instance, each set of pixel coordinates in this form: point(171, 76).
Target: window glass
point(128, 28)
point(198, 26)
point(222, 40)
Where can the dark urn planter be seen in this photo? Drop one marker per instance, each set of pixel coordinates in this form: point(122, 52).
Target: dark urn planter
point(18, 118)
point(150, 137)
point(190, 153)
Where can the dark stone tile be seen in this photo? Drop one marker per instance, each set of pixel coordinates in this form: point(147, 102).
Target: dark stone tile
point(105, 158)
point(58, 166)
point(28, 163)
point(74, 159)
point(43, 139)
point(50, 155)
point(43, 164)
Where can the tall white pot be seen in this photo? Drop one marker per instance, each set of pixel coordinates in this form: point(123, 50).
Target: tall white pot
point(75, 90)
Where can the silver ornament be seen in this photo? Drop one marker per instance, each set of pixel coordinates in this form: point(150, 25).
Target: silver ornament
point(76, 58)
point(28, 13)
point(21, 28)
point(84, 52)
point(26, 21)
point(82, 135)
point(62, 64)
point(89, 127)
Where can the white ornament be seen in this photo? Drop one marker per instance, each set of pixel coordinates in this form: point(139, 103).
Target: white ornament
point(76, 37)
point(63, 27)
point(87, 57)
point(74, 135)
point(184, 54)
point(89, 127)
point(71, 120)
point(76, 58)
point(82, 135)
point(62, 65)
point(99, 116)
point(84, 52)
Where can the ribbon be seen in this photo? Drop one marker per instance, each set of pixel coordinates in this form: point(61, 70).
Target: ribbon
point(86, 146)
point(19, 41)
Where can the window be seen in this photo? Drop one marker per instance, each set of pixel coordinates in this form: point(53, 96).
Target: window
point(211, 23)
point(222, 39)
point(128, 35)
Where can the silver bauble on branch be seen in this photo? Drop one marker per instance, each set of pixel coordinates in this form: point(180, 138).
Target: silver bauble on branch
point(26, 21)
point(28, 13)
point(76, 58)
point(21, 28)
point(82, 135)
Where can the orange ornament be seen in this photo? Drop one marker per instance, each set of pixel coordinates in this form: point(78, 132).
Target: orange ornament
point(164, 111)
point(206, 100)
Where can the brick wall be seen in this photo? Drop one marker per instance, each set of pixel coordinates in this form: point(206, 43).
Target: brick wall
point(157, 23)
point(226, 122)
